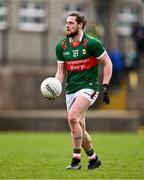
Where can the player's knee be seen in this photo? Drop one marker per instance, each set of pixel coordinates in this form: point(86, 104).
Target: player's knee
point(72, 118)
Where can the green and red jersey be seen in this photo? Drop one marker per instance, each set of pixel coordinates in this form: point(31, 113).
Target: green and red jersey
point(81, 62)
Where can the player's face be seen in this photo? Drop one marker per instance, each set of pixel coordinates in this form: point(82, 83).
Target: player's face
point(71, 26)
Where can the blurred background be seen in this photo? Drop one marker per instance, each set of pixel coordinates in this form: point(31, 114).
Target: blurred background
point(29, 32)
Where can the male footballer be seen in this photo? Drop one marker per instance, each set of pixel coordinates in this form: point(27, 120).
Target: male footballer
point(78, 57)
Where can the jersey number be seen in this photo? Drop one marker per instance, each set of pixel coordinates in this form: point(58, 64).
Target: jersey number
point(75, 53)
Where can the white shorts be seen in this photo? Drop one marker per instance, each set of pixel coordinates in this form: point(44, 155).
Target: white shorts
point(90, 94)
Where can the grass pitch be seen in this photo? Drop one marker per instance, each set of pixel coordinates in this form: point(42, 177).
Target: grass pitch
point(41, 155)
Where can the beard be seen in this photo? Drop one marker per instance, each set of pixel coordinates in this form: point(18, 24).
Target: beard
point(72, 34)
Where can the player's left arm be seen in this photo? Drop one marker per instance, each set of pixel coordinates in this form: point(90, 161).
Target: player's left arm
point(96, 48)
point(107, 73)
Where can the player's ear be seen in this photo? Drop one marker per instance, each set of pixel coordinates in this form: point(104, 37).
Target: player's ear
point(80, 25)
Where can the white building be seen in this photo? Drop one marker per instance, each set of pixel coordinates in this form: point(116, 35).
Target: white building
point(30, 29)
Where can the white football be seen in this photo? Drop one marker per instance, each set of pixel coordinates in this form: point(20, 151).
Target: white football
point(51, 87)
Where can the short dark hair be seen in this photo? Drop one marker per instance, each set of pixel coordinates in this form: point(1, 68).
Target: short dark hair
point(79, 18)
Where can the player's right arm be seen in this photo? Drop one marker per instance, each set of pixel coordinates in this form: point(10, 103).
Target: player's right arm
point(61, 71)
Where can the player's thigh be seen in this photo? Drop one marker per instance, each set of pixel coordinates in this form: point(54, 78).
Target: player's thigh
point(79, 107)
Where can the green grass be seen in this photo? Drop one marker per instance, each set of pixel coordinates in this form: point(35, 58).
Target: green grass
point(35, 155)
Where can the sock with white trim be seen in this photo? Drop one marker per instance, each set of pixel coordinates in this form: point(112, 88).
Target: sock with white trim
point(76, 154)
point(91, 154)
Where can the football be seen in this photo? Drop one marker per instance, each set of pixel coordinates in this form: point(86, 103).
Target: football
point(51, 87)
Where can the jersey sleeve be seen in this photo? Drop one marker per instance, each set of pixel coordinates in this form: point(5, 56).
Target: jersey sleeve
point(96, 48)
point(59, 53)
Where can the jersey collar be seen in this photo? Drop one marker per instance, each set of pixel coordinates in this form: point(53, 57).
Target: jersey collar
point(75, 44)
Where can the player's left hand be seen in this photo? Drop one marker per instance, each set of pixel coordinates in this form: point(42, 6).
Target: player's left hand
point(106, 98)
